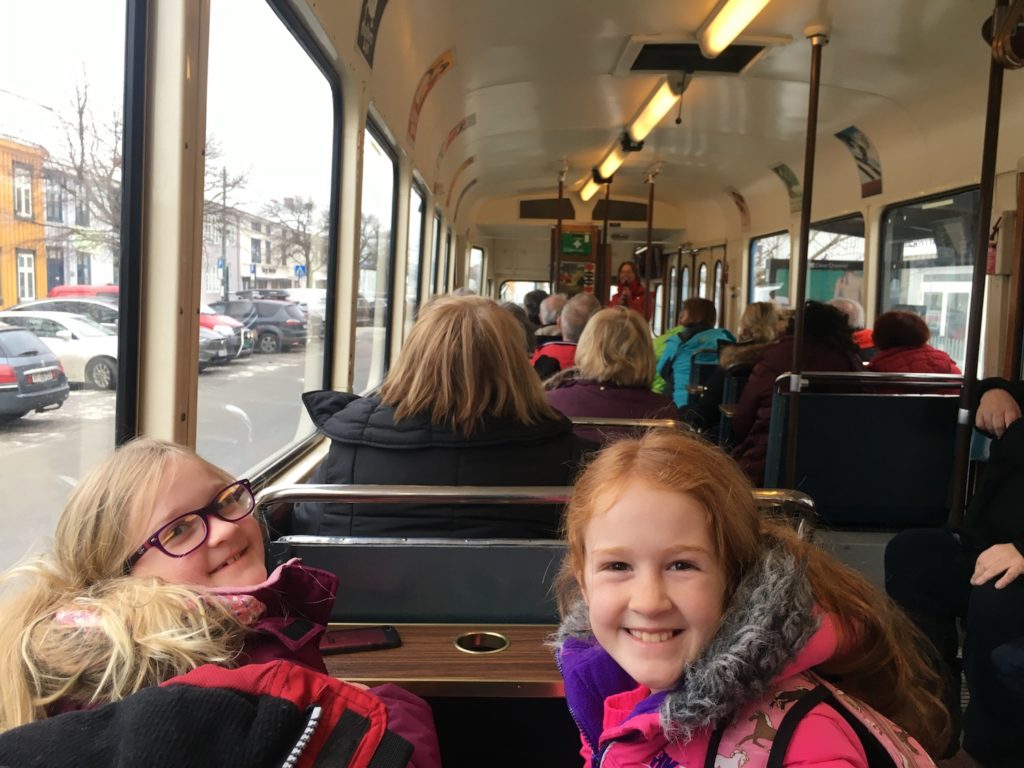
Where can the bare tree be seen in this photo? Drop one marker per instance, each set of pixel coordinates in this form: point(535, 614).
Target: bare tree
point(302, 233)
point(369, 240)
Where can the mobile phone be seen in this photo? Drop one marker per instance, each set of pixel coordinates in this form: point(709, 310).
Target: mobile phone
point(355, 639)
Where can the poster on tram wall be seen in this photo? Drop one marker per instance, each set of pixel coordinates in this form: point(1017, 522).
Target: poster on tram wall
point(869, 167)
point(369, 23)
point(576, 277)
point(467, 122)
point(441, 64)
point(787, 177)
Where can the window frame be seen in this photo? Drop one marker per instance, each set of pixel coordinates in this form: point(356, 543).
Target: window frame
point(22, 195)
point(420, 189)
point(750, 259)
point(435, 248)
point(19, 254)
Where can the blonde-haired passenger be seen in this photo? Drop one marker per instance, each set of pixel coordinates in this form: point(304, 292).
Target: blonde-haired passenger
point(158, 568)
point(696, 630)
point(613, 373)
point(460, 406)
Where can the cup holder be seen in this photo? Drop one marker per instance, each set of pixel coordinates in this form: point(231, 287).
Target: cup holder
point(481, 642)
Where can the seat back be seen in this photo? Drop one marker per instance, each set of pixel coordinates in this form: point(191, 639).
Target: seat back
point(869, 460)
point(736, 377)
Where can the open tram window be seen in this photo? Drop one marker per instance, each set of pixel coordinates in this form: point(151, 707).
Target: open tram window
point(927, 259)
point(769, 268)
point(376, 253)
point(61, 132)
point(266, 236)
point(415, 254)
point(474, 279)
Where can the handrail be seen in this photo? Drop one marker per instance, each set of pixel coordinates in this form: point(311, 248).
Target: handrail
point(603, 421)
point(466, 494)
point(907, 380)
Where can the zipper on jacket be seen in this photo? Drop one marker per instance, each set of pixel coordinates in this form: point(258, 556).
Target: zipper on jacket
point(303, 741)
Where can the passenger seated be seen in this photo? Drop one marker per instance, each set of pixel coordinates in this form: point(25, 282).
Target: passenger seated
point(554, 356)
point(757, 330)
point(699, 334)
point(862, 337)
point(827, 347)
point(692, 625)
point(530, 340)
point(158, 568)
point(612, 378)
point(460, 406)
point(550, 309)
point(531, 303)
point(902, 342)
point(972, 573)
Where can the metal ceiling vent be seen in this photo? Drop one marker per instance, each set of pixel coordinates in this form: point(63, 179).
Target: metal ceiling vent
point(645, 54)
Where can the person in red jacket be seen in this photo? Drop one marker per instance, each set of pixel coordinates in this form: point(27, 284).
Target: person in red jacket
point(630, 292)
point(902, 342)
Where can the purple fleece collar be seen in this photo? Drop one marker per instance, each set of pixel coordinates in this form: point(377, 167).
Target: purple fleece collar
point(591, 676)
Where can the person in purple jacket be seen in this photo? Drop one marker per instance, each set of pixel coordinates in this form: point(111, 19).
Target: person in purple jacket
point(158, 568)
point(613, 373)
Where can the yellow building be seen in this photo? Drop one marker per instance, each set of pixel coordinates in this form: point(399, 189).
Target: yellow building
point(22, 222)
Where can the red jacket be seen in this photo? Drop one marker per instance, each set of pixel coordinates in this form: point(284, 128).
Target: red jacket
point(632, 295)
point(923, 359)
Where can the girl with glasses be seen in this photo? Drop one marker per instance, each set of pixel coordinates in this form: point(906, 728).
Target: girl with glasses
point(157, 568)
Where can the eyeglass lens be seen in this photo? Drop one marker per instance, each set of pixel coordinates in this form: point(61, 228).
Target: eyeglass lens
point(189, 531)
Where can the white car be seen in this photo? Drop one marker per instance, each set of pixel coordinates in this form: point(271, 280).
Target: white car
point(86, 349)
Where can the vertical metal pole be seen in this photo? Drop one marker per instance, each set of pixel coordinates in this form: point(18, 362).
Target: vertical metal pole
point(647, 253)
point(556, 257)
point(604, 243)
point(1015, 337)
point(988, 178)
point(800, 273)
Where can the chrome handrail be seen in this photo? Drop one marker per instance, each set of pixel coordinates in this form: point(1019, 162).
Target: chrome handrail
point(871, 378)
point(603, 421)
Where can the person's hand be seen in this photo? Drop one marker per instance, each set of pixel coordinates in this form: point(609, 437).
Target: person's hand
point(996, 411)
point(998, 559)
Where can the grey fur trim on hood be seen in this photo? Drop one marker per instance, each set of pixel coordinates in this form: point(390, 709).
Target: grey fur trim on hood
point(556, 380)
point(770, 619)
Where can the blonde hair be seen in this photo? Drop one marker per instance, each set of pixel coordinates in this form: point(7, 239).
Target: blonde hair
point(616, 348)
point(463, 361)
point(76, 628)
point(883, 666)
point(759, 322)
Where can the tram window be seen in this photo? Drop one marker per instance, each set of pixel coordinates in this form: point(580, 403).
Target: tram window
point(414, 255)
point(659, 299)
point(435, 252)
point(265, 233)
point(516, 290)
point(684, 288)
point(718, 292)
point(375, 253)
point(673, 276)
point(54, 162)
point(702, 281)
point(927, 262)
point(476, 269)
point(446, 285)
point(769, 265)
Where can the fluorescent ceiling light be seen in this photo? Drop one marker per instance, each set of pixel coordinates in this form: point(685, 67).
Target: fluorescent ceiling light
point(726, 24)
point(657, 106)
point(589, 190)
point(611, 163)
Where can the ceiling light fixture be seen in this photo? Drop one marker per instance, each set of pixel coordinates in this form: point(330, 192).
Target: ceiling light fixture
point(726, 23)
point(656, 107)
point(589, 190)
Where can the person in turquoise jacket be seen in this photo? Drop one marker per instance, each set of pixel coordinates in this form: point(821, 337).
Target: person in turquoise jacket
point(697, 335)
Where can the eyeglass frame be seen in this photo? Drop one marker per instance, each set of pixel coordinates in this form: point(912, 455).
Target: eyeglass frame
point(153, 542)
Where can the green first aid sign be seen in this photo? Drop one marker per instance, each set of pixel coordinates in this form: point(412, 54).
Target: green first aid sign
point(576, 242)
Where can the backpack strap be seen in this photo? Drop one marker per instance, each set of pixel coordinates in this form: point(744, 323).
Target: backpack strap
point(878, 756)
point(716, 739)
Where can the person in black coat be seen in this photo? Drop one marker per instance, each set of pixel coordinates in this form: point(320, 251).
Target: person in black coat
point(973, 573)
point(460, 407)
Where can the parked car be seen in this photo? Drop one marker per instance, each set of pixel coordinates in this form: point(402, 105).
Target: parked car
point(103, 311)
point(278, 325)
point(240, 340)
point(213, 348)
point(31, 377)
point(86, 349)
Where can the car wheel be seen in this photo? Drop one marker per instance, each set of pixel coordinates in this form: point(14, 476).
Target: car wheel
point(268, 343)
point(102, 373)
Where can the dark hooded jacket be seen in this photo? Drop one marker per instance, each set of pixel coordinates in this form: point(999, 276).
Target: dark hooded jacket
point(368, 446)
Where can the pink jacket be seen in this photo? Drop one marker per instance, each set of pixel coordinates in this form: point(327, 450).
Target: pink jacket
point(735, 696)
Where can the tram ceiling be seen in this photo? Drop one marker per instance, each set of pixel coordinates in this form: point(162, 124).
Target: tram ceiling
point(539, 79)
